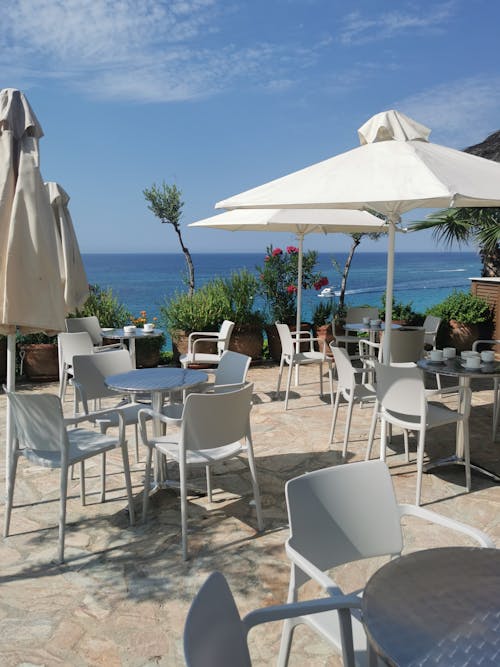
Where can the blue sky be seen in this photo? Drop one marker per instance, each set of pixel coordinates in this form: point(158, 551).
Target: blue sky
point(219, 96)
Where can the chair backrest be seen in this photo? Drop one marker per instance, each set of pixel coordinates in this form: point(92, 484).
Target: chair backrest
point(431, 326)
point(286, 340)
point(39, 423)
point(214, 635)
point(89, 324)
point(344, 513)
point(215, 420)
point(407, 345)
point(343, 364)
point(484, 344)
point(232, 369)
point(356, 314)
point(225, 331)
point(70, 344)
point(89, 371)
point(401, 389)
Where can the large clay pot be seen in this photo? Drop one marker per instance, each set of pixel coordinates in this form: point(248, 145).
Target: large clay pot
point(41, 362)
point(462, 336)
point(325, 335)
point(247, 339)
point(147, 352)
point(274, 343)
point(180, 345)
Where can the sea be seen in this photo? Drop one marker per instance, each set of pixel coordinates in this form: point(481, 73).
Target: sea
point(146, 281)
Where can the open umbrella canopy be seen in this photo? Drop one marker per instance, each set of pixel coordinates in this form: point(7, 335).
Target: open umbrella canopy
point(396, 169)
point(299, 222)
point(71, 269)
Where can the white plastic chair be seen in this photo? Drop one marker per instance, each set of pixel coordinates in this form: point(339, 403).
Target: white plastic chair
point(431, 327)
point(403, 401)
point(216, 636)
point(339, 515)
point(197, 338)
point(92, 327)
point(213, 428)
point(68, 345)
point(352, 391)
point(90, 371)
point(42, 437)
point(407, 345)
point(355, 315)
point(230, 374)
point(496, 383)
point(290, 356)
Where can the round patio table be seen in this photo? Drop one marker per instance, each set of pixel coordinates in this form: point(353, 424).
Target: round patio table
point(121, 335)
point(435, 607)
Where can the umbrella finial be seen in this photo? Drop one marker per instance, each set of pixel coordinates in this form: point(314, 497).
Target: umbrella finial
point(392, 126)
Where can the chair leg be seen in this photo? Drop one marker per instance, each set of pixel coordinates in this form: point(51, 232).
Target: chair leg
point(282, 363)
point(82, 482)
point(371, 434)
point(420, 465)
point(255, 484)
point(136, 443)
point(288, 384)
point(147, 483)
point(103, 477)
point(334, 416)
point(62, 509)
point(465, 432)
point(321, 379)
point(348, 419)
point(62, 384)
point(330, 376)
point(128, 483)
point(184, 508)
point(208, 474)
point(383, 438)
point(407, 448)
point(438, 381)
point(11, 479)
point(288, 626)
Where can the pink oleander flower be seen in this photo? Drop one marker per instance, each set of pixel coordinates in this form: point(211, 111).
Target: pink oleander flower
point(320, 283)
point(292, 250)
point(291, 288)
point(277, 251)
point(266, 258)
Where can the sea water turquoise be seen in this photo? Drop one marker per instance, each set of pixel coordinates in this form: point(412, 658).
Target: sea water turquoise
point(145, 281)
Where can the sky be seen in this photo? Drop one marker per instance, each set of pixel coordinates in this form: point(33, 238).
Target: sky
point(218, 96)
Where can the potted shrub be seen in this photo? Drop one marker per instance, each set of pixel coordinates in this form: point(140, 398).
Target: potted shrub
point(38, 357)
point(105, 306)
point(469, 317)
point(278, 278)
point(402, 313)
point(147, 349)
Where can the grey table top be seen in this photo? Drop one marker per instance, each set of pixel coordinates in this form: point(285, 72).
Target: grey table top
point(138, 333)
point(367, 328)
point(455, 368)
point(156, 379)
point(436, 607)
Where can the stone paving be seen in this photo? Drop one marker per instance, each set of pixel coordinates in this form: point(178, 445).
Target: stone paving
point(123, 594)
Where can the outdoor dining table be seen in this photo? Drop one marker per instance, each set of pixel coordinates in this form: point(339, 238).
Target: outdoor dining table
point(157, 381)
point(372, 330)
point(435, 607)
point(455, 368)
point(121, 335)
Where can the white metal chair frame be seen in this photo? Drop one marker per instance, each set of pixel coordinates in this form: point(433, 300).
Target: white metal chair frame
point(212, 429)
point(292, 358)
point(354, 315)
point(42, 437)
point(340, 515)
point(196, 338)
point(352, 391)
point(92, 326)
point(216, 636)
point(403, 401)
point(496, 384)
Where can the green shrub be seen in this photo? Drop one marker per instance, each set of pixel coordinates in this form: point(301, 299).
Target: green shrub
point(401, 311)
point(102, 303)
point(463, 307)
point(323, 313)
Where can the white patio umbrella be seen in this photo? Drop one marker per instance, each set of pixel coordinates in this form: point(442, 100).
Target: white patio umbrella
point(396, 169)
point(71, 269)
point(31, 293)
point(298, 222)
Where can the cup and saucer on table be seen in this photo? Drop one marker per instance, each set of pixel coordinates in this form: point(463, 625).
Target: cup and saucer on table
point(471, 359)
point(436, 357)
point(148, 327)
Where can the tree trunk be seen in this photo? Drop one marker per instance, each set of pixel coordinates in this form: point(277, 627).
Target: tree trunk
point(345, 273)
point(189, 262)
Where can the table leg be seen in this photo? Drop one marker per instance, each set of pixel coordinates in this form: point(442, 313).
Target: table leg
point(131, 349)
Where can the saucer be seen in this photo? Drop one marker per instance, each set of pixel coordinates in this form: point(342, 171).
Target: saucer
point(436, 361)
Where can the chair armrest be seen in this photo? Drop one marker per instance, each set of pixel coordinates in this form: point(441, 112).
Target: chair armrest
point(108, 348)
point(311, 570)
point(428, 515)
point(145, 415)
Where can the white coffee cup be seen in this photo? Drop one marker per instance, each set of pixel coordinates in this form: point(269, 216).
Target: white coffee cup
point(488, 356)
point(148, 327)
point(469, 353)
point(366, 320)
point(473, 362)
point(449, 352)
point(436, 355)
point(129, 329)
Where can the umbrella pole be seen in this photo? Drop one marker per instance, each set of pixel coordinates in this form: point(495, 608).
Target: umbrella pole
point(389, 290)
point(298, 319)
point(11, 385)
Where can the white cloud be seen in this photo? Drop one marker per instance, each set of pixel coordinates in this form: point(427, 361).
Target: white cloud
point(460, 113)
point(147, 50)
point(358, 28)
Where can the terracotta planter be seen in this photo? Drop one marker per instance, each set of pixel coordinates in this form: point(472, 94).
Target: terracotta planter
point(41, 362)
point(325, 335)
point(461, 336)
point(274, 343)
point(180, 345)
point(247, 339)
